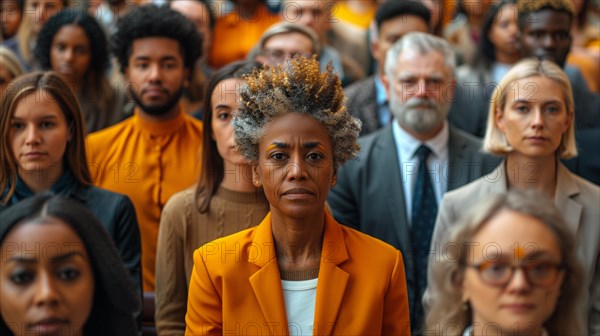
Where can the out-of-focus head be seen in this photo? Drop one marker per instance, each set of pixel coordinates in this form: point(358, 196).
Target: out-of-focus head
point(531, 112)
point(61, 273)
point(315, 14)
point(509, 264)
point(152, 21)
point(394, 19)
point(157, 48)
point(40, 106)
point(10, 68)
point(222, 101)
point(200, 13)
point(73, 44)
point(284, 40)
point(40, 11)
point(545, 27)
point(11, 14)
point(420, 82)
point(499, 32)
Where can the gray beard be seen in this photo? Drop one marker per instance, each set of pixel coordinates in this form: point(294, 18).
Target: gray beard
point(420, 119)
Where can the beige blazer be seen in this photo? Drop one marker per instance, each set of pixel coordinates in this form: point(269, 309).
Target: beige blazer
point(576, 198)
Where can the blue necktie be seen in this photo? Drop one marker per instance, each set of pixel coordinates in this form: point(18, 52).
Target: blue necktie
point(424, 212)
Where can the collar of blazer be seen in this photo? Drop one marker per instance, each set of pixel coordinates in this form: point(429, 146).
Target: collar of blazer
point(266, 282)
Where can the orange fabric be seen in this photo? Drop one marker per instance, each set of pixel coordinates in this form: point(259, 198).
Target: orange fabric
point(236, 288)
point(149, 162)
point(589, 69)
point(233, 37)
point(344, 13)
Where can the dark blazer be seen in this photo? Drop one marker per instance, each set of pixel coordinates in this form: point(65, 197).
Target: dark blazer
point(362, 104)
point(369, 195)
point(117, 215)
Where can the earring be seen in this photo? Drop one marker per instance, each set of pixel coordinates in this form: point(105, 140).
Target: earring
point(333, 182)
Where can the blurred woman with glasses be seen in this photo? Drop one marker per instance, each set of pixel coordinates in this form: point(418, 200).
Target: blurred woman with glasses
point(508, 268)
point(530, 124)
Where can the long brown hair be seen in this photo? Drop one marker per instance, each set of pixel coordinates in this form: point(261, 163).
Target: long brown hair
point(53, 87)
point(213, 167)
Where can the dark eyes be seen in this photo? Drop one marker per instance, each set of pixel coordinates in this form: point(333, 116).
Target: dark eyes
point(313, 156)
point(223, 115)
point(24, 277)
point(21, 277)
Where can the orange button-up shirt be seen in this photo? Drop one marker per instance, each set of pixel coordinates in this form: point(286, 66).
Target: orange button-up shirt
point(149, 162)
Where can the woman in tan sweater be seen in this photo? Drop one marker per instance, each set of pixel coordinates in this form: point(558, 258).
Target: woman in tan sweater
point(225, 201)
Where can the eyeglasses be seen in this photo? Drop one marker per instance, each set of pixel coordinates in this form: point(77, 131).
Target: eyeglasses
point(277, 56)
point(539, 274)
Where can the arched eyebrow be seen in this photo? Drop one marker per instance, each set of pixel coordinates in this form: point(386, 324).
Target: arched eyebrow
point(55, 260)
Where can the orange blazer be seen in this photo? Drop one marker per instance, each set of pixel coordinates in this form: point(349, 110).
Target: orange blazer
point(235, 286)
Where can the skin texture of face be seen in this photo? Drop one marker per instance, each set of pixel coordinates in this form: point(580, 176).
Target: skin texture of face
point(504, 31)
point(225, 100)
point(285, 45)
point(10, 18)
point(391, 31)
point(70, 53)
point(197, 12)
point(39, 134)
point(420, 92)
point(511, 237)
point(158, 76)
point(47, 282)
point(5, 78)
point(315, 14)
point(547, 35)
point(295, 165)
point(534, 117)
point(40, 11)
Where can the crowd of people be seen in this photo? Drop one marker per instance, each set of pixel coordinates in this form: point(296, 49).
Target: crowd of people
point(302, 167)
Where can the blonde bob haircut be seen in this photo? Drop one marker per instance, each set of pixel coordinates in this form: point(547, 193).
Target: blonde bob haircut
point(494, 141)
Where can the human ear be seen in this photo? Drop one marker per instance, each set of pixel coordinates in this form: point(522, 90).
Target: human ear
point(499, 120)
point(256, 176)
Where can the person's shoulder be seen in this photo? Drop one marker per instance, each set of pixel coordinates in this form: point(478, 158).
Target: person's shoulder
point(360, 86)
point(97, 196)
point(469, 139)
point(111, 132)
point(359, 242)
point(181, 201)
point(467, 193)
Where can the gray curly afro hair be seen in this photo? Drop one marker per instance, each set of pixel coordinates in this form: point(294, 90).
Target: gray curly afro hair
point(296, 87)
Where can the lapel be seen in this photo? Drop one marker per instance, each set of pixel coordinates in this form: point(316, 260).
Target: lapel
point(332, 279)
point(266, 282)
point(496, 181)
point(458, 156)
point(388, 176)
point(369, 116)
point(566, 189)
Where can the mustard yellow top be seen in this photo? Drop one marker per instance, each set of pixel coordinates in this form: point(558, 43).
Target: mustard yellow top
point(233, 37)
point(149, 162)
point(344, 13)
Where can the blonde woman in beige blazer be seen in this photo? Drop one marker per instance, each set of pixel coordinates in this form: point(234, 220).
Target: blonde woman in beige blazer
point(530, 123)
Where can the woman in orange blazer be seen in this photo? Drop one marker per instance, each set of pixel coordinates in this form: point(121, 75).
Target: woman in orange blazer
point(299, 272)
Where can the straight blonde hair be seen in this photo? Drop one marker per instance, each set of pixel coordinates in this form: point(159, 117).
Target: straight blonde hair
point(494, 141)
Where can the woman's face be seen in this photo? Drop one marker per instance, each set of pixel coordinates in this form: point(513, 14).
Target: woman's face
point(40, 11)
point(70, 53)
point(295, 165)
point(535, 116)
point(39, 134)
point(504, 30)
point(224, 101)
point(46, 279)
point(511, 238)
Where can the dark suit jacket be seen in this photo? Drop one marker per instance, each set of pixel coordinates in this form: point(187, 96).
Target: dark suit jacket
point(369, 195)
point(362, 104)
